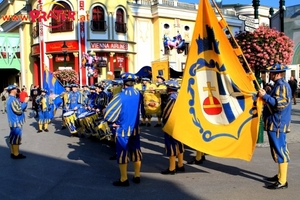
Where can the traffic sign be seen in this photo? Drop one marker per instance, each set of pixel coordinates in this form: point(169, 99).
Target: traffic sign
point(249, 29)
point(248, 19)
point(252, 25)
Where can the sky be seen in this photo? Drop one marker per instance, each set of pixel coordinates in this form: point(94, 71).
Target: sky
point(271, 3)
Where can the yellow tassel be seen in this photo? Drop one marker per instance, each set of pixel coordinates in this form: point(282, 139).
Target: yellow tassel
point(40, 126)
point(180, 159)
point(15, 148)
point(283, 167)
point(46, 126)
point(199, 155)
point(172, 163)
point(123, 172)
point(137, 168)
point(44, 105)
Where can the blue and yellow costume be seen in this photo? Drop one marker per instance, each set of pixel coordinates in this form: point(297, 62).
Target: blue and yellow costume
point(86, 94)
point(91, 98)
point(65, 96)
point(173, 147)
point(161, 89)
point(44, 106)
point(16, 119)
point(123, 111)
point(277, 118)
point(101, 100)
point(145, 86)
point(75, 101)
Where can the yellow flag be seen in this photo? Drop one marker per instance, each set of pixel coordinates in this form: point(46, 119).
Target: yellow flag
point(217, 111)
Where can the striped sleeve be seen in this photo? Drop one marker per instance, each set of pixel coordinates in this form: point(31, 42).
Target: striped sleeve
point(280, 100)
point(16, 107)
point(113, 109)
point(167, 110)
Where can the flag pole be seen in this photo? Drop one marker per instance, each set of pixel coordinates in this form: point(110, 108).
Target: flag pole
point(237, 48)
point(239, 52)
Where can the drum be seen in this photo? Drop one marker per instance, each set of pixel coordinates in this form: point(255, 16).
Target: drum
point(83, 122)
point(70, 120)
point(152, 103)
point(104, 131)
point(91, 121)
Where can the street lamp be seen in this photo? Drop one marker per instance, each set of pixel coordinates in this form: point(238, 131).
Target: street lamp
point(271, 13)
point(64, 49)
point(281, 14)
point(255, 4)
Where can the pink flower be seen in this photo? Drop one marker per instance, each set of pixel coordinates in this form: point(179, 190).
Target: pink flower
point(265, 47)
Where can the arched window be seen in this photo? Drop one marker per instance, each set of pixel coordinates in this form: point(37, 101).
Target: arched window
point(62, 21)
point(98, 19)
point(120, 25)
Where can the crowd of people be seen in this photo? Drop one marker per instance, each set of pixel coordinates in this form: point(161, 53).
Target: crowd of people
point(114, 109)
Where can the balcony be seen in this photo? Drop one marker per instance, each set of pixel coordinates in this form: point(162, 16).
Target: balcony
point(57, 26)
point(98, 25)
point(120, 27)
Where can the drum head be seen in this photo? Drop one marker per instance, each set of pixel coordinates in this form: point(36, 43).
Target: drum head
point(69, 113)
point(90, 113)
point(83, 115)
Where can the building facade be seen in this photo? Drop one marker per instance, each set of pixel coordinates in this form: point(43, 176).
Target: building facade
point(125, 35)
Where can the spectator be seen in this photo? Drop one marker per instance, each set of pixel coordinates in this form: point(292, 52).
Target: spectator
point(23, 95)
point(293, 84)
point(4, 96)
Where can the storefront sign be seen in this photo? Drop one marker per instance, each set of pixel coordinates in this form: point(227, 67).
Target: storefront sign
point(109, 45)
point(56, 46)
point(120, 61)
point(61, 58)
point(102, 62)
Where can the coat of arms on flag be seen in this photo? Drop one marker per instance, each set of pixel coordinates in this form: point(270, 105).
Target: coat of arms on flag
point(218, 106)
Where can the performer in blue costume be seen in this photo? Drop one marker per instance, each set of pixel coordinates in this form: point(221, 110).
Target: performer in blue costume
point(76, 103)
point(277, 119)
point(101, 100)
point(86, 92)
point(173, 147)
point(145, 86)
point(91, 98)
point(75, 100)
point(16, 118)
point(123, 112)
point(43, 102)
point(65, 98)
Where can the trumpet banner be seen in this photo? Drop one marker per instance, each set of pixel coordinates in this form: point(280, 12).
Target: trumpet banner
point(152, 103)
point(217, 110)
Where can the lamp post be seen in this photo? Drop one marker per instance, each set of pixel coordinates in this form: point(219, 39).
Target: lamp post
point(281, 14)
point(64, 49)
point(271, 13)
point(255, 4)
point(260, 138)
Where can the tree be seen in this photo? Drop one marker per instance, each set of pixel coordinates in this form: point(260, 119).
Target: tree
point(265, 47)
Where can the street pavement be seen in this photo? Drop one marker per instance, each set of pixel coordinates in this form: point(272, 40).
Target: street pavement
point(62, 167)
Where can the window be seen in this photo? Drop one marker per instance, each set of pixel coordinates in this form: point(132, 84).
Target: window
point(186, 28)
point(120, 26)
point(62, 23)
point(186, 50)
point(166, 26)
point(98, 19)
